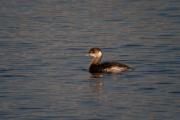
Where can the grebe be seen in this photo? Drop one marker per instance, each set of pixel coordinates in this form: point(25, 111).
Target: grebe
point(106, 67)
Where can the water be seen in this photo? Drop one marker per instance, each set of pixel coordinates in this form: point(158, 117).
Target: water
point(44, 73)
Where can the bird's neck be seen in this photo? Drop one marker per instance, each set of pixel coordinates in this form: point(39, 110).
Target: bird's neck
point(96, 60)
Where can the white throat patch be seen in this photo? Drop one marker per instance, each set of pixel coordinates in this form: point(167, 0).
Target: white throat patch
point(99, 54)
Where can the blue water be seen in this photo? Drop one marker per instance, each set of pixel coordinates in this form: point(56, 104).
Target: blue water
point(44, 70)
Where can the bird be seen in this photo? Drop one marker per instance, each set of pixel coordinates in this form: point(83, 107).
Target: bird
point(105, 67)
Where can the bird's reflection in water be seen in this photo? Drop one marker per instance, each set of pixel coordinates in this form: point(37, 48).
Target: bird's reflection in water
point(96, 82)
point(97, 75)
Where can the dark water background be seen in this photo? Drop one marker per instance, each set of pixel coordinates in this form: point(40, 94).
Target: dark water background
point(43, 70)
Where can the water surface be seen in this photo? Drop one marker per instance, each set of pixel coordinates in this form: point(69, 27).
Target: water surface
point(44, 73)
